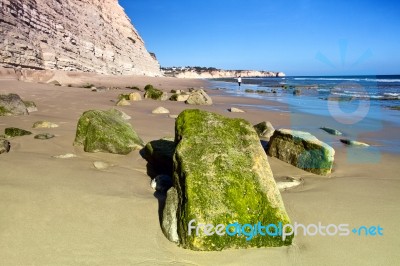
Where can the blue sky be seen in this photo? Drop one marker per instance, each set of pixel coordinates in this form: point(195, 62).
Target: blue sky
point(305, 37)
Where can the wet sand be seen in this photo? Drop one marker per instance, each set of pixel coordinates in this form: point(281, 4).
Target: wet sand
point(66, 212)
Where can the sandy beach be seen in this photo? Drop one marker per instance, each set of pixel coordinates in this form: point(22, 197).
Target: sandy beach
point(66, 212)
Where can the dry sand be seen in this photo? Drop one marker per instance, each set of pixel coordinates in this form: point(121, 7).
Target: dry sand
point(66, 212)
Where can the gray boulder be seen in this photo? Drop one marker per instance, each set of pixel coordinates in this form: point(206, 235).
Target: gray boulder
point(106, 131)
point(30, 106)
point(302, 150)
point(12, 104)
point(5, 146)
point(169, 222)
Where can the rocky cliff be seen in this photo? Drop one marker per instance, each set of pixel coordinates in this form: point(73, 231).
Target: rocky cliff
point(73, 35)
point(203, 72)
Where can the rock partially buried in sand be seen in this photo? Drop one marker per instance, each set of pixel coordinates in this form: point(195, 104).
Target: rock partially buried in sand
point(264, 129)
point(302, 150)
point(173, 116)
point(179, 97)
point(65, 156)
point(12, 104)
point(44, 136)
point(123, 102)
point(160, 110)
point(101, 165)
point(135, 96)
point(235, 110)
point(331, 131)
point(354, 143)
point(106, 131)
point(286, 183)
point(5, 146)
point(169, 222)
point(30, 106)
point(16, 132)
point(222, 176)
point(44, 124)
point(199, 97)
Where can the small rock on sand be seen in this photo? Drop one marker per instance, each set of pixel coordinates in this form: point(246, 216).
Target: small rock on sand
point(44, 124)
point(65, 156)
point(160, 110)
point(101, 165)
point(44, 136)
point(235, 110)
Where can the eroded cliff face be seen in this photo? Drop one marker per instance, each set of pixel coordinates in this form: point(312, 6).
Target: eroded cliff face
point(72, 35)
point(218, 73)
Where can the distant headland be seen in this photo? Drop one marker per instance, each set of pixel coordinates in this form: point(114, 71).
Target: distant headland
point(211, 72)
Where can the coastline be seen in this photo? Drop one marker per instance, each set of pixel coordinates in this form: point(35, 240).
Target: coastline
point(67, 212)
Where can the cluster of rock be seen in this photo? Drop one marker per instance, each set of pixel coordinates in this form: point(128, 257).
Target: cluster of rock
point(204, 72)
point(192, 96)
point(75, 35)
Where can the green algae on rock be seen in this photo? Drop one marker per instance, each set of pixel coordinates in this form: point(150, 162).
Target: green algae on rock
point(155, 94)
point(106, 131)
point(222, 176)
point(302, 150)
point(16, 132)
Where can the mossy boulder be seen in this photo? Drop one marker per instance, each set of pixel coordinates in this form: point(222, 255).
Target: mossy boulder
point(222, 176)
point(12, 104)
point(159, 154)
point(302, 150)
point(106, 131)
point(155, 94)
point(16, 132)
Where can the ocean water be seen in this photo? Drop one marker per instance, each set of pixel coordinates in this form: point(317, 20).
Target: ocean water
point(360, 106)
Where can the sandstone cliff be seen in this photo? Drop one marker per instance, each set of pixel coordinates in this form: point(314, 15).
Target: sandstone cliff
point(202, 72)
point(74, 35)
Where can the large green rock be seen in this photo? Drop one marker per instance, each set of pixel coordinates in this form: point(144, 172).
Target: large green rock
point(222, 176)
point(302, 150)
point(106, 131)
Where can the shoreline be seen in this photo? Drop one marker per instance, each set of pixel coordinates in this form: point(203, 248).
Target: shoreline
point(67, 212)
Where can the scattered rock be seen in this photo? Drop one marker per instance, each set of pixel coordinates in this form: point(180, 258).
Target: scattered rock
point(169, 223)
point(16, 132)
point(123, 115)
point(123, 102)
point(287, 182)
point(5, 146)
point(354, 143)
point(161, 183)
point(302, 150)
point(44, 124)
point(296, 92)
point(155, 94)
point(331, 131)
point(235, 110)
point(179, 97)
point(30, 106)
point(160, 110)
point(221, 176)
point(65, 156)
point(106, 131)
point(135, 96)
point(101, 165)
point(12, 104)
point(44, 136)
point(159, 154)
point(199, 97)
point(264, 129)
